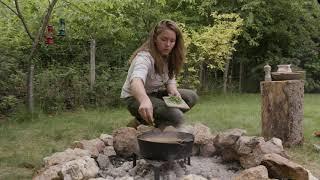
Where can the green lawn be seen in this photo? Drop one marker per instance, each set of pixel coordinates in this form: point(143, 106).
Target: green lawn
point(25, 144)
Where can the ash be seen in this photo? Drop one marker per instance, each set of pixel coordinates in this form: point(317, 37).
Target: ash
point(209, 168)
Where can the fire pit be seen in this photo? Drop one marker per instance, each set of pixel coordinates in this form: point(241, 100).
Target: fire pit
point(227, 155)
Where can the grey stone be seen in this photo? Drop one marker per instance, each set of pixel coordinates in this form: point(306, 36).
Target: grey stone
point(83, 168)
point(65, 156)
point(107, 139)
point(94, 146)
point(103, 161)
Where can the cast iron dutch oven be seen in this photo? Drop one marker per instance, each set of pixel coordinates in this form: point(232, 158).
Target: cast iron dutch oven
point(165, 146)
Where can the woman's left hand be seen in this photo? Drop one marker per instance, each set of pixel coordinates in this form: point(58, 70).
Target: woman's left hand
point(175, 93)
point(172, 90)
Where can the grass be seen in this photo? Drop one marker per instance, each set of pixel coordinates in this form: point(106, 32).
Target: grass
point(23, 145)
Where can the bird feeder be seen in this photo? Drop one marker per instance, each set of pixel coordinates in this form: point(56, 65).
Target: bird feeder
point(49, 35)
point(61, 27)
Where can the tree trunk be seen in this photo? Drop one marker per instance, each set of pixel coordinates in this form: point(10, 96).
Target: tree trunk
point(35, 44)
point(92, 62)
point(225, 76)
point(30, 89)
point(282, 111)
point(230, 73)
point(203, 76)
point(240, 76)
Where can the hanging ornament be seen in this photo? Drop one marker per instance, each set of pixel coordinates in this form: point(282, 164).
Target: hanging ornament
point(49, 34)
point(61, 27)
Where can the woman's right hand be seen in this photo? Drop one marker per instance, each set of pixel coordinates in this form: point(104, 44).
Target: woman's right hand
point(146, 110)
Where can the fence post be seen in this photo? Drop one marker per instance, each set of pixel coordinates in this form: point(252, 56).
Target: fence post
point(92, 62)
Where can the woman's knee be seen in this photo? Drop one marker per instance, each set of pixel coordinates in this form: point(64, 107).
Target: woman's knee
point(171, 116)
point(190, 96)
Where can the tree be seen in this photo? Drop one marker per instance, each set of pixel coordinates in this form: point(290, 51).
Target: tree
point(35, 44)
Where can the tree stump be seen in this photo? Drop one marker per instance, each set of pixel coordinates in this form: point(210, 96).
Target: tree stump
point(282, 111)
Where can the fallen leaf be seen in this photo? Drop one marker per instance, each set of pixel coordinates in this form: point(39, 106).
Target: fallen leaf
point(316, 133)
point(317, 147)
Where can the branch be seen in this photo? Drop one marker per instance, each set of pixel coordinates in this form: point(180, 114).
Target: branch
point(41, 31)
point(22, 20)
point(9, 8)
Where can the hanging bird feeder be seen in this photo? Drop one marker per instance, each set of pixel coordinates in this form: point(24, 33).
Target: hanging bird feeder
point(49, 35)
point(62, 31)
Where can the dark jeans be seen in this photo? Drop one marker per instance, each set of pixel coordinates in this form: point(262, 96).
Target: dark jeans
point(163, 115)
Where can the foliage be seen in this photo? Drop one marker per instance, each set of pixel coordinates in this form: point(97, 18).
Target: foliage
point(8, 104)
point(277, 32)
point(252, 32)
point(212, 45)
point(216, 43)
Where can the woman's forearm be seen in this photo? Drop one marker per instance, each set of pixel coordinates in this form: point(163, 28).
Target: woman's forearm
point(138, 90)
point(145, 107)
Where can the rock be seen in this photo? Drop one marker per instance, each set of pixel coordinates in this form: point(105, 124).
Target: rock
point(282, 168)
point(228, 138)
point(109, 151)
point(103, 161)
point(274, 145)
point(311, 177)
point(125, 142)
point(251, 160)
point(254, 158)
point(207, 150)
point(246, 144)
point(255, 173)
point(116, 172)
point(94, 146)
point(51, 172)
point(107, 139)
point(125, 178)
point(83, 168)
point(202, 134)
point(65, 156)
point(229, 155)
point(193, 177)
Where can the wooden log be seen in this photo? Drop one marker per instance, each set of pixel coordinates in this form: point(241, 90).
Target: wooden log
point(282, 111)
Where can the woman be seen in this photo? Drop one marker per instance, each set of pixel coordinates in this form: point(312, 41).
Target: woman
point(152, 75)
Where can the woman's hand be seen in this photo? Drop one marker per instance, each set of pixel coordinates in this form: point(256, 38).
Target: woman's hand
point(172, 90)
point(175, 93)
point(146, 110)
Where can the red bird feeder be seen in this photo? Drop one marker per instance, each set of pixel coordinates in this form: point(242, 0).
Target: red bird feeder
point(49, 35)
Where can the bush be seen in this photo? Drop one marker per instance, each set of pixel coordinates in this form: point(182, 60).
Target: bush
point(8, 104)
point(59, 89)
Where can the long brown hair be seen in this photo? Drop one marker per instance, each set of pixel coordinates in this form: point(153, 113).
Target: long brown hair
point(175, 58)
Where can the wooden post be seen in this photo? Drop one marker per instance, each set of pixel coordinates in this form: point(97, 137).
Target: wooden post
point(282, 111)
point(92, 62)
